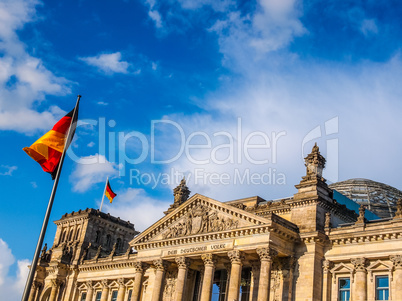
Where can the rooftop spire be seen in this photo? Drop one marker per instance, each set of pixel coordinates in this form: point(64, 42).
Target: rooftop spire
point(315, 163)
point(181, 194)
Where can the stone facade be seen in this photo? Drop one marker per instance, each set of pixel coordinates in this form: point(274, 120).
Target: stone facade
point(307, 247)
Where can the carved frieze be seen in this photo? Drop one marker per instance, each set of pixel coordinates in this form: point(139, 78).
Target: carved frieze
point(200, 220)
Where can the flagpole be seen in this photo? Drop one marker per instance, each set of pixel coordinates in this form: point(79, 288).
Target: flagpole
point(35, 259)
point(103, 197)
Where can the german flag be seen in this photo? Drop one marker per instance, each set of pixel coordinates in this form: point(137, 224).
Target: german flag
point(47, 150)
point(109, 192)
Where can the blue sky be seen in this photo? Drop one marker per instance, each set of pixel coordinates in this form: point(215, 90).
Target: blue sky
point(161, 77)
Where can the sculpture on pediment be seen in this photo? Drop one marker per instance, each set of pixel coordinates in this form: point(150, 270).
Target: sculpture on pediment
point(181, 194)
point(200, 220)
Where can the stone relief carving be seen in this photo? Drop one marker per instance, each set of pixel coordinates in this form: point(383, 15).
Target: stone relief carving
point(170, 286)
point(200, 220)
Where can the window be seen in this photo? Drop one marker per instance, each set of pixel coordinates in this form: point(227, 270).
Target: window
point(70, 236)
point(77, 235)
point(114, 296)
point(197, 287)
point(130, 293)
point(83, 296)
point(381, 288)
point(219, 285)
point(63, 236)
point(98, 296)
point(108, 240)
point(118, 244)
point(344, 289)
point(245, 283)
point(98, 236)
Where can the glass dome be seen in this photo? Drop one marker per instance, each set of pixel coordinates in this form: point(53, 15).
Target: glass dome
point(377, 197)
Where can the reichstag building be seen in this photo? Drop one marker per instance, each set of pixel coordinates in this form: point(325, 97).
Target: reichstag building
point(318, 245)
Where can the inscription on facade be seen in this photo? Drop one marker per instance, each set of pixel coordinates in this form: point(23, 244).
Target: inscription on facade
point(199, 249)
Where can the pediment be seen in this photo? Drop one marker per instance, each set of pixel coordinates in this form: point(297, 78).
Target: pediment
point(379, 265)
point(198, 215)
point(341, 267)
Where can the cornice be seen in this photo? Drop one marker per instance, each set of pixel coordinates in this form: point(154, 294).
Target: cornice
point(97, 266)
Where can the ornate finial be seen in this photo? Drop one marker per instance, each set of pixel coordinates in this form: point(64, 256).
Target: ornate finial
point(361, 218)
point(398, 213)
point(315, 163)
point(181, 194)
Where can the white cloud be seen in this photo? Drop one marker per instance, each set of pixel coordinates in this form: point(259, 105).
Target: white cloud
point(136, 206)
point(102, 103)
point(34, 184)
point(156, 17)
point(369, 26)
point(8, 170)
point(11, 286)
point(274, 100)
point(92, 170)
point(91, 144)
point(24, 80)
point(109, 63)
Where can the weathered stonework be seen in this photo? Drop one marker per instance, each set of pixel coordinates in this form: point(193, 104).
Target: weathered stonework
point(295, 249)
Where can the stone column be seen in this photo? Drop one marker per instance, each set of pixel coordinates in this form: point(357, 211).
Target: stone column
point(255, 276)
point(160, 266)
point(209, 270)
point(138, 272)
point(34, 290)
point(359, 292)
point(55, 290)
point(183, 264)
point(89, 290)
point(236, 258)
point(105, 290)
point(122, 289)
point(265, 272)
point(397, 279)
point(326, 283)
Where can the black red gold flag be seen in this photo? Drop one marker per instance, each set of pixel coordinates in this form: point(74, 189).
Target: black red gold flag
point(109, 192)
point(47, 150)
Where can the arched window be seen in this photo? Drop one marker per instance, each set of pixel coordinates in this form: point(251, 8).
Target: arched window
point(70, 236)
point(77, 235)
point(63, 236)
point(119, 245)
point(98, 236)
point(108, 240)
